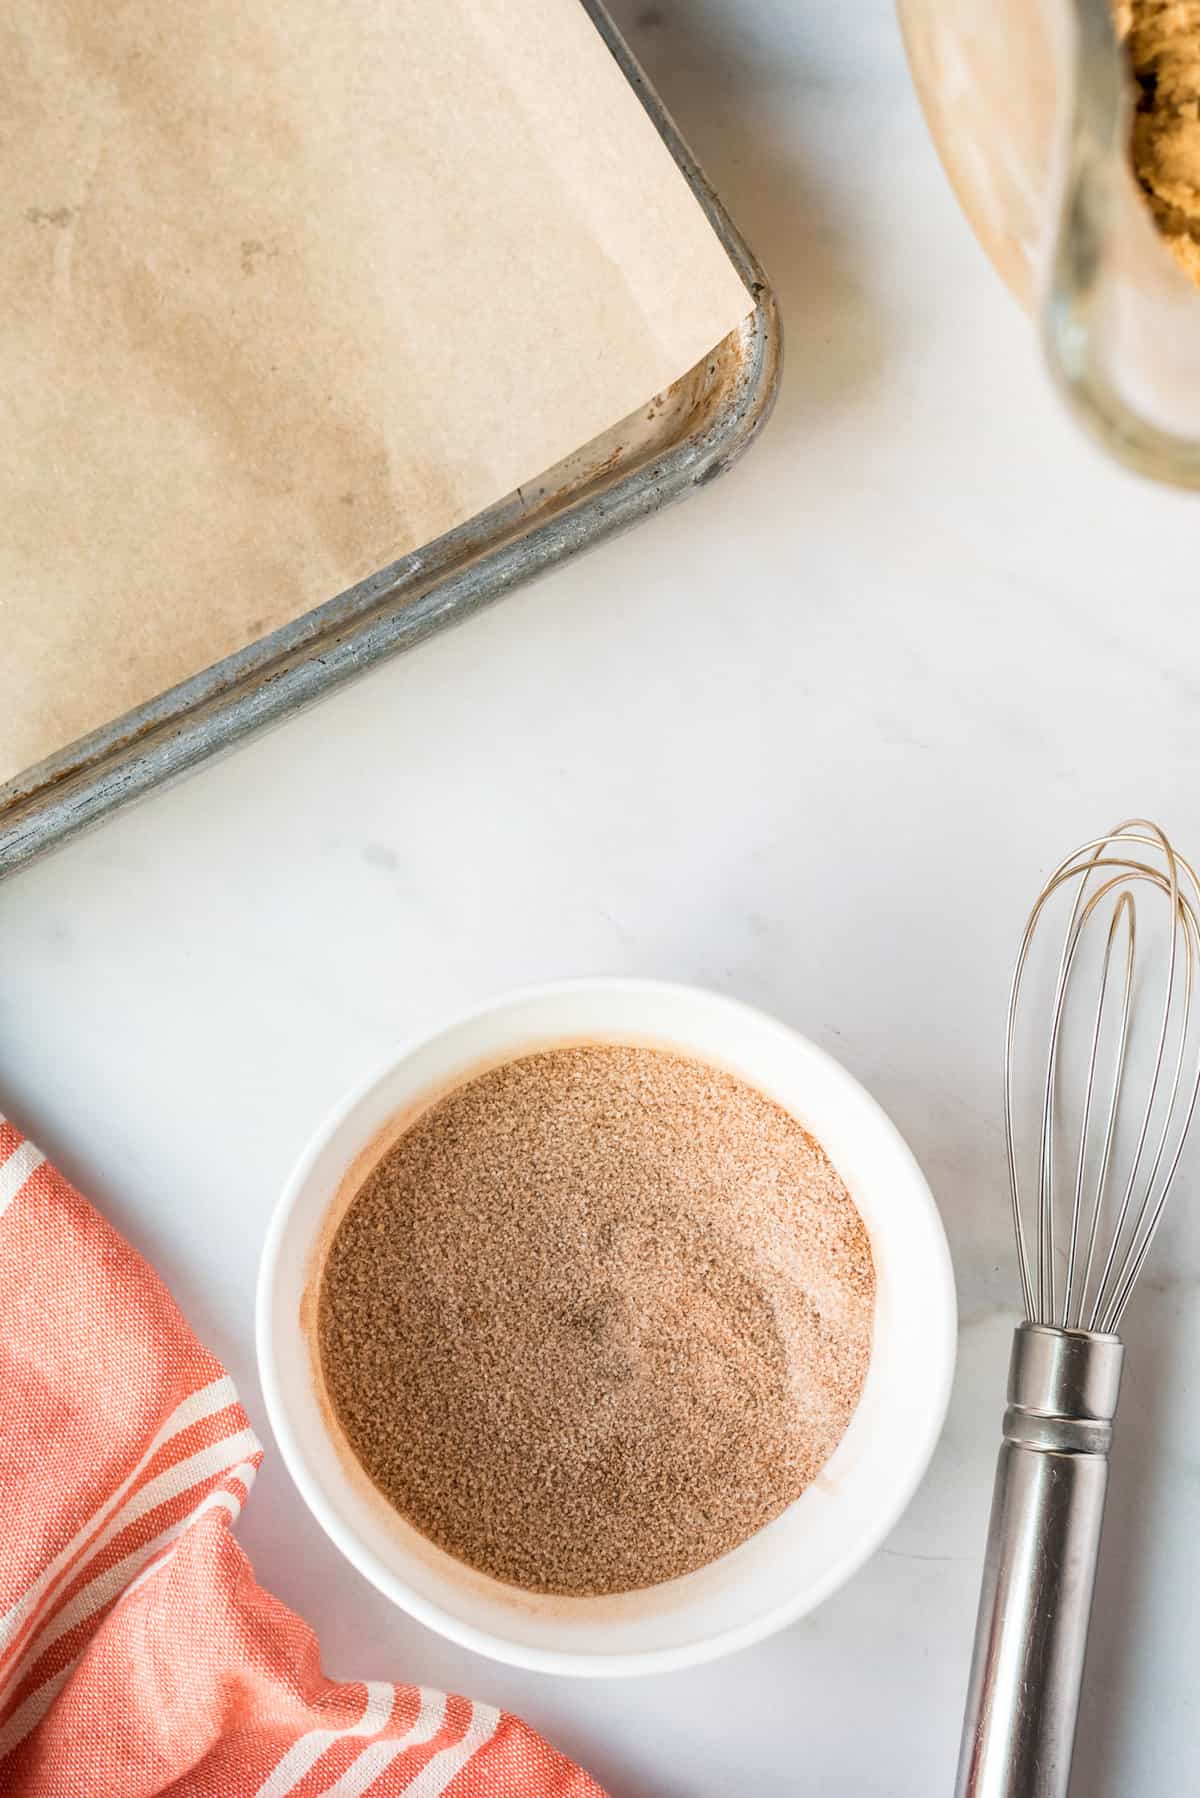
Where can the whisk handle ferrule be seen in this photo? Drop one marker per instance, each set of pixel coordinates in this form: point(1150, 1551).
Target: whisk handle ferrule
point(1040, 1565)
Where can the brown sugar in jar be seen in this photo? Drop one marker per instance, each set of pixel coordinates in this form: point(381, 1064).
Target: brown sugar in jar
point(595, 1317)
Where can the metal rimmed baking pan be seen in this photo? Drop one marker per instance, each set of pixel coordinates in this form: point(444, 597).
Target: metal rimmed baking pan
point(688, 435)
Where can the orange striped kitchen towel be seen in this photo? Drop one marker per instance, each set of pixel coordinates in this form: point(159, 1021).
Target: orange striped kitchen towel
point(138, 1655)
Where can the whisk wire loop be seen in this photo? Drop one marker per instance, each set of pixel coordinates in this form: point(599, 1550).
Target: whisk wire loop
point(1107, 874)
point(1123, 913)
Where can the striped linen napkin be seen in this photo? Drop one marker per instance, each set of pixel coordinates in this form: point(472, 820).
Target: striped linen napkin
point(138, 1655)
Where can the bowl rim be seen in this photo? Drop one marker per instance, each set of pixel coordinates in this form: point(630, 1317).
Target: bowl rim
point(621, 1663)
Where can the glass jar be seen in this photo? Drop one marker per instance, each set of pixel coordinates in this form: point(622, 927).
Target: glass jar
point(1030, 105)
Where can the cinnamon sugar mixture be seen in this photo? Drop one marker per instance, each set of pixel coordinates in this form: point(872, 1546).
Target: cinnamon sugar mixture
point(595, 1317)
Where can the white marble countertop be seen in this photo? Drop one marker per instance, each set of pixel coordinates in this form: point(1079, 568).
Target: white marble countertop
point(811, 739)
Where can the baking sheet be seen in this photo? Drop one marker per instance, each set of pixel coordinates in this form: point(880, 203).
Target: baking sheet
point(285, 295)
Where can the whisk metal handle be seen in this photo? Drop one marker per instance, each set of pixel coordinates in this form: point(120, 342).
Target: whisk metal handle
point(1040, 1566)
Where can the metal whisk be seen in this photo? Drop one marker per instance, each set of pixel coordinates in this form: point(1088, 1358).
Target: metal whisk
point(1106, 1156)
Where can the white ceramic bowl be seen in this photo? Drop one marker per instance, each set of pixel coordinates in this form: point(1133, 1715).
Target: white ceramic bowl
point(785, 1568)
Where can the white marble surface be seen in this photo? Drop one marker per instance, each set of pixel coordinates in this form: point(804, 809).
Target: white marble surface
point(810, 739)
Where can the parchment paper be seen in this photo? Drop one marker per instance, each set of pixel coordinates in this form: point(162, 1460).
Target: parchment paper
point(286, 291)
